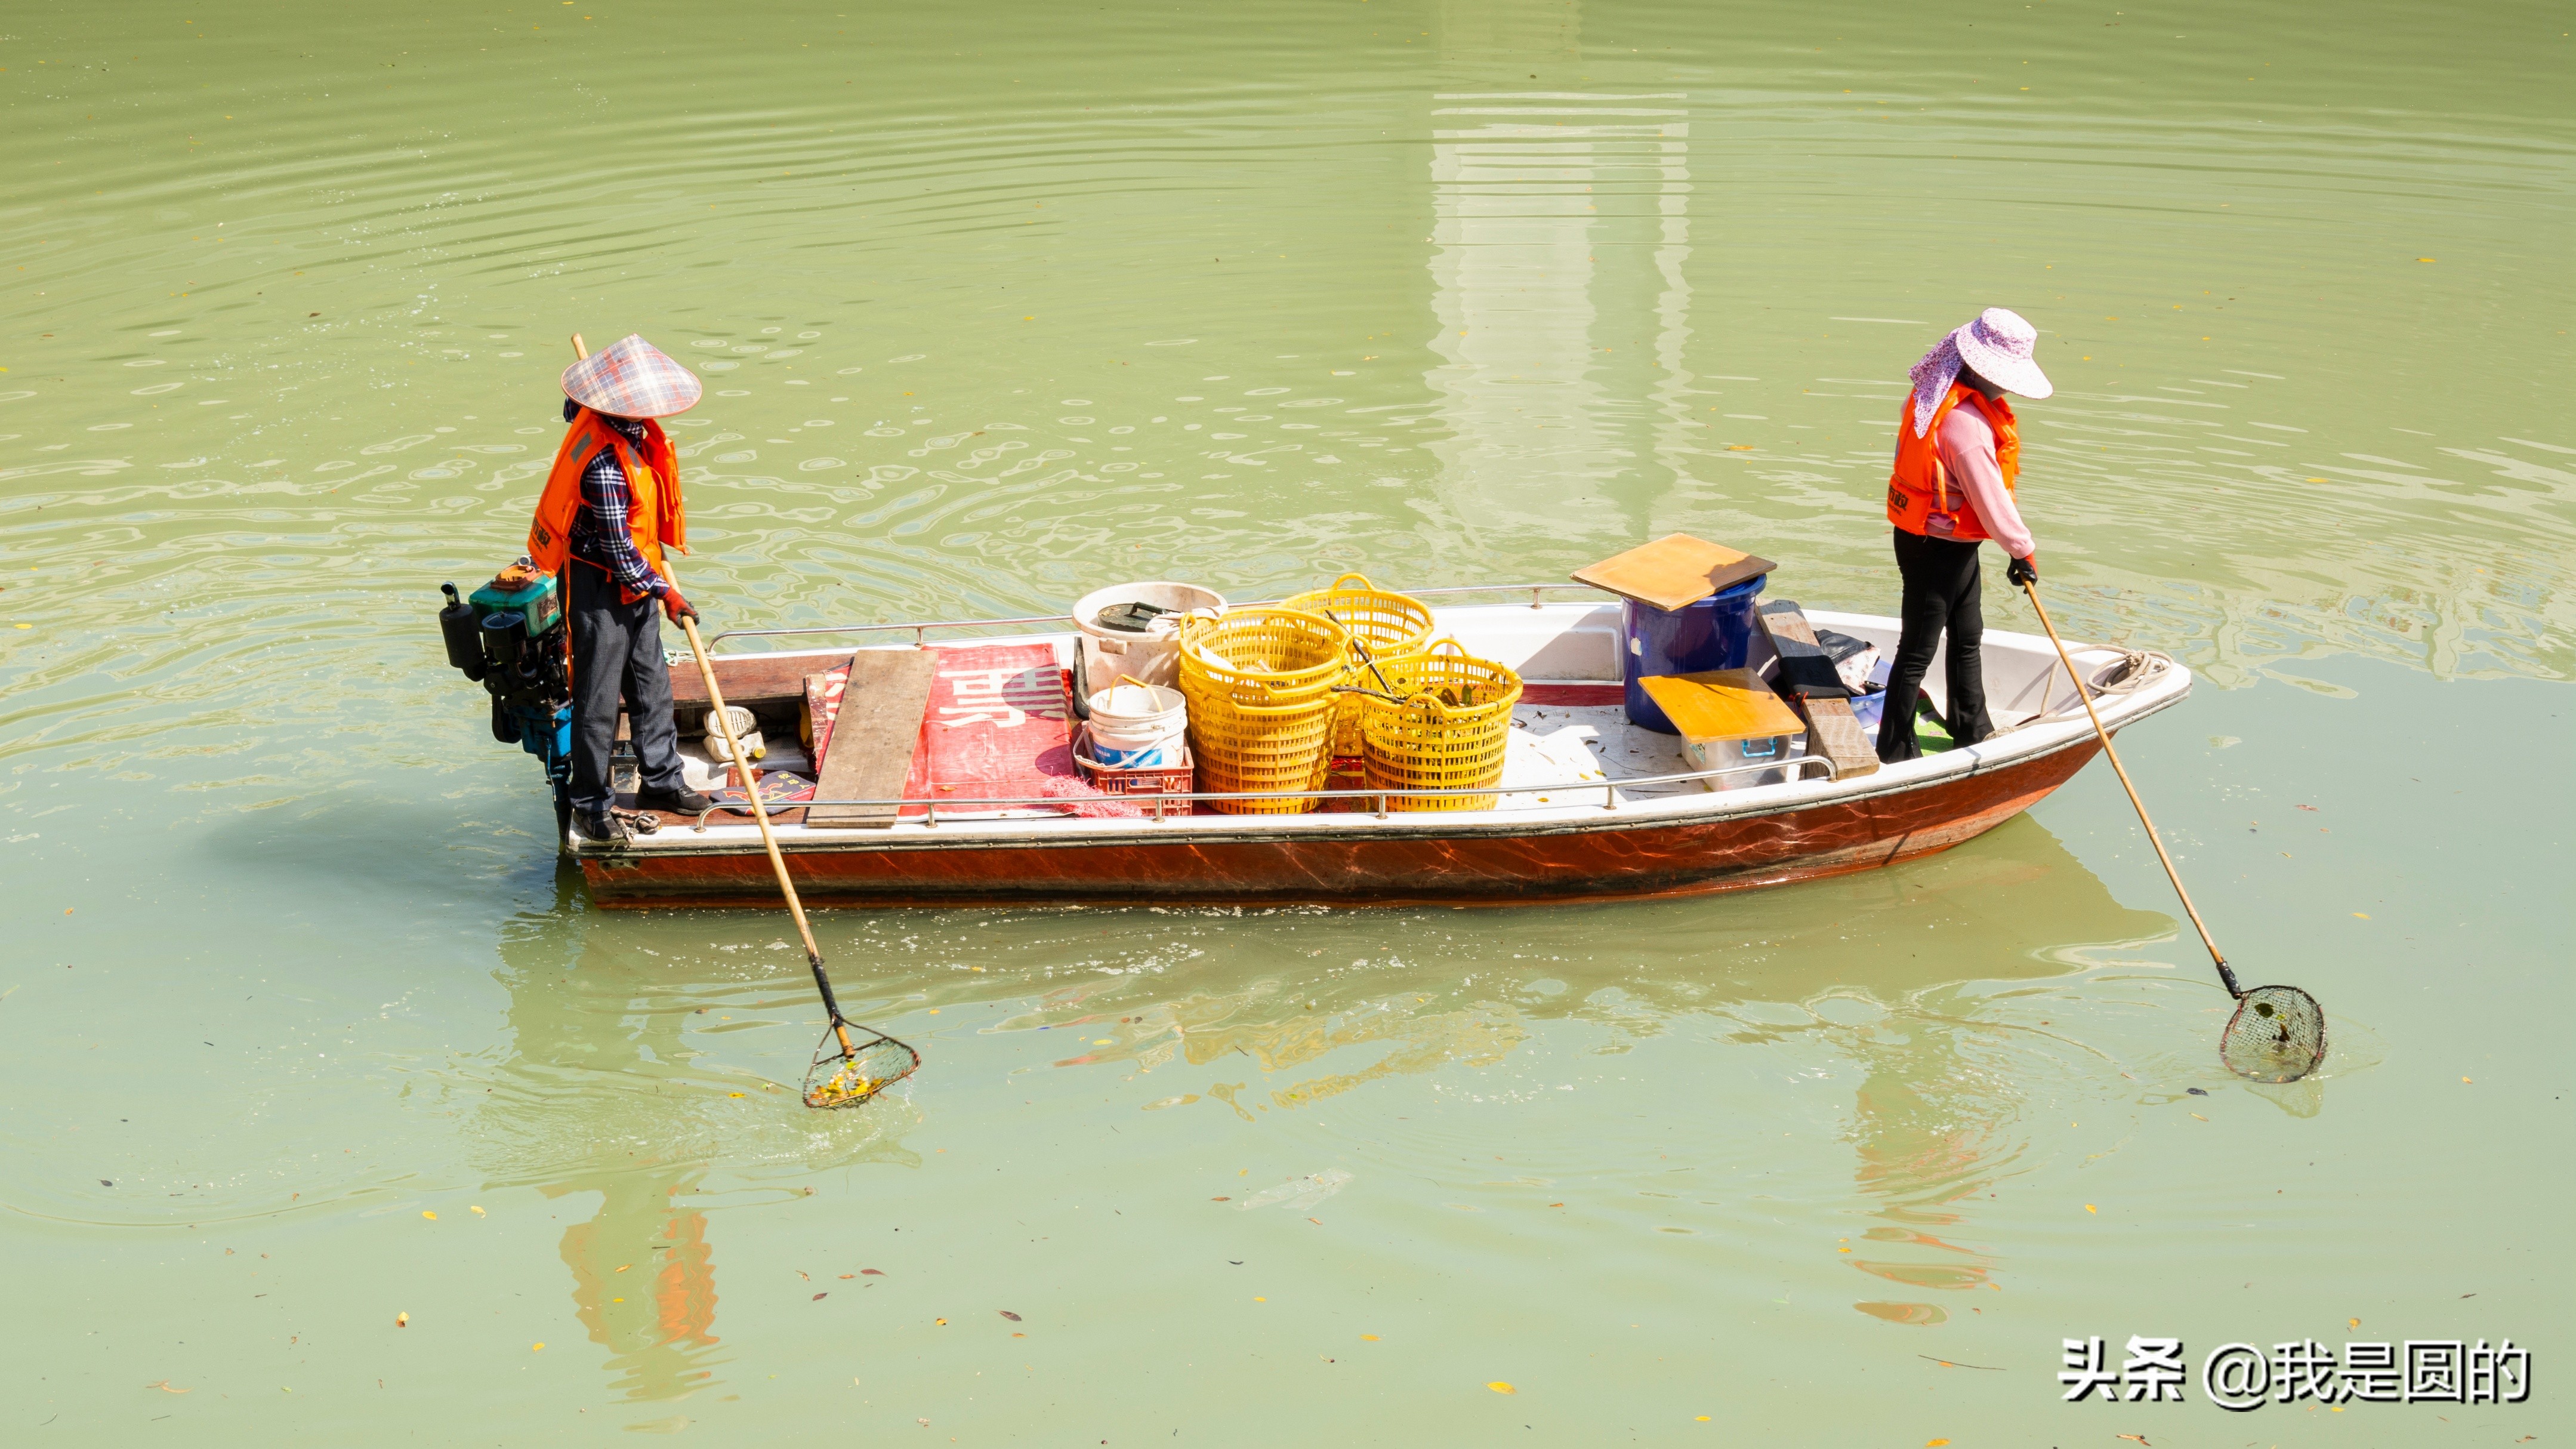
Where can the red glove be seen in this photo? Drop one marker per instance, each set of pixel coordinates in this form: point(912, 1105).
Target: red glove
point(676, 608)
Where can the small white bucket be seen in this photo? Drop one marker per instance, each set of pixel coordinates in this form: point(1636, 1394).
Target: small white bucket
point(1138, 726)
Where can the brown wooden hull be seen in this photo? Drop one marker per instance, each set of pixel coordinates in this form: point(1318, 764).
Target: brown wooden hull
point(1624, 854)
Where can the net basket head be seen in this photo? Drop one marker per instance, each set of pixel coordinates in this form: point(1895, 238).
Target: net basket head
point(2278, 1034)
point(845, 1079)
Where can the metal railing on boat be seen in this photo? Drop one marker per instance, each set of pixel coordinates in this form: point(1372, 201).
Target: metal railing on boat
point(921, 630)
point(1159, 803)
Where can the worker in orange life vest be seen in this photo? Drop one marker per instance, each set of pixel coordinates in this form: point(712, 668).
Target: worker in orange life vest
point(1958, 454)
point(610, 509)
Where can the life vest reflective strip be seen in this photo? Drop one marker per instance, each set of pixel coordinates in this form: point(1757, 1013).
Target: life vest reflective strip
point(654, 518)
point(1920, 487)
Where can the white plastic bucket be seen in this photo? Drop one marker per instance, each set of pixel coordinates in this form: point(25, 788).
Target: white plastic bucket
point(1153, 656)
point(1138, 726)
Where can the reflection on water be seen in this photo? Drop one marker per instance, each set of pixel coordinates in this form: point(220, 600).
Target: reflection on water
point(597, 1062)
point(608, 1089)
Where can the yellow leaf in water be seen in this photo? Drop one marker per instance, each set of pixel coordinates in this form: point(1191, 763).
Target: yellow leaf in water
point(2352, 1323)
point(2088, 1207)
point(2361, 915)
point(1368, 1338)
point(622, 1267)
point(536, 1348)
point(733, 1094)
point(433, 1217)
point(1934, 1443)
point(165, 1385)
point(478, 1212)
point(1498, 1386)
point(402, 1320)
point(2464, 1079)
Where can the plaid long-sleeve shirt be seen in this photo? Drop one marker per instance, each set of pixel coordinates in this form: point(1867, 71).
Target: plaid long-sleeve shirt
point(599, 530)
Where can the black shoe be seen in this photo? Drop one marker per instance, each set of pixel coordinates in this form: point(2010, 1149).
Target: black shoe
point(682, 801)
point(596, 827)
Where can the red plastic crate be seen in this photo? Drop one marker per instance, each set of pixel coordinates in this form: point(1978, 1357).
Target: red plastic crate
point(1155, 780)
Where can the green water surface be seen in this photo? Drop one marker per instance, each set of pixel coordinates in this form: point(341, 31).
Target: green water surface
point(301, 1028)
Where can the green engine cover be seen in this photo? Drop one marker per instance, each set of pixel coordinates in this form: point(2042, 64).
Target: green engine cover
point(540, 601)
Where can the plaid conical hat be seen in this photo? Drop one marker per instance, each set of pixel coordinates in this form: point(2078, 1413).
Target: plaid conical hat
point(633, 379)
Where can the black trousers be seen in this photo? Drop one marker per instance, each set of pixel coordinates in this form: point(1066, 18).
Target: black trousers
point(1942, 579)
point(617, 654)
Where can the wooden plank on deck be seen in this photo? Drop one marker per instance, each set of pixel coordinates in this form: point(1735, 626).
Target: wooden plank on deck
point(873, 738)
point(1831, 730)
point(1673, 572)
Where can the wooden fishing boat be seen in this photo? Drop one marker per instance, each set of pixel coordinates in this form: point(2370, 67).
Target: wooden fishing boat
point(1590, 807)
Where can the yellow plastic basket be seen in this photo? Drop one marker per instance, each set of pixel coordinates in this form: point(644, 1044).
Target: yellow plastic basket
point(1259, 747)
point(1263, 656)
point(1448, 732)
point(1387, 625)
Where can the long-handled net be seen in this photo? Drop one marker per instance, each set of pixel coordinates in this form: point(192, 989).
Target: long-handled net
point(2278, 1033)
point(844, 1075)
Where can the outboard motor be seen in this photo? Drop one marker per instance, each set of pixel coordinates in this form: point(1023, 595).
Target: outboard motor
point(510, 637)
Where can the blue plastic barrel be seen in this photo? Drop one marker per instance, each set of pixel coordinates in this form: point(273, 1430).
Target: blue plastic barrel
point(1715, 633)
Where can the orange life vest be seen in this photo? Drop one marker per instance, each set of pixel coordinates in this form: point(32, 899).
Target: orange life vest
point(1919, 491)
point(655, 519)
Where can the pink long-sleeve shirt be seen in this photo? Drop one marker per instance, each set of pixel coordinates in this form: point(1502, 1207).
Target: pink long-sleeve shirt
point(1967, 445)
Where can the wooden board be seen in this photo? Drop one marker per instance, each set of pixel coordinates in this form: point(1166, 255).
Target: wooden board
point(1805, 671)
point(1673, 572)
point(873, 738)
point(1831, 730)
point(750, 682)
point(1722, 704)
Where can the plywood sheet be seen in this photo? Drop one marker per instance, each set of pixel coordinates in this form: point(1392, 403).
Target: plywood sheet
point(873, 737)
point(1673, 571)
point(1832, 731)
point(1723, 704)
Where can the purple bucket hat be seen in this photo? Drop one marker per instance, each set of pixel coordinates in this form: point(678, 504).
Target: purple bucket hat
point(633, 379)
point(1999, 345)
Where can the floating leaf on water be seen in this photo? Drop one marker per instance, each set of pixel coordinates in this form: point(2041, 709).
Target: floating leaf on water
point(430, 1215)
point(1498, 1386)
point(872, 1272)
point(402, 1320)
point(819, 1297)
point(1006, 1313)
point(1368, 1338)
